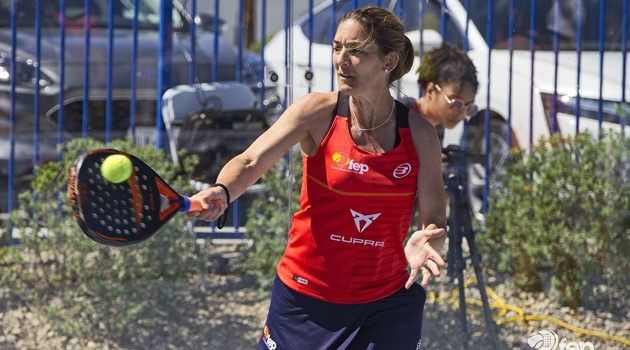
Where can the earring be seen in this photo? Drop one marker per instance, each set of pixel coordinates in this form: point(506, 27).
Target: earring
point(386, 70)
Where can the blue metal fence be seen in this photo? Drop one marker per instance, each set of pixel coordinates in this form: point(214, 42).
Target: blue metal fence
point(235, 62)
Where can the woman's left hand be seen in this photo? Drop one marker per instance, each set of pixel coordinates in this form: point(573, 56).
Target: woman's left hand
point(422, 257)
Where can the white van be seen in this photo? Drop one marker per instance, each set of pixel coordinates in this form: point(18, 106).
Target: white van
point(519, 77)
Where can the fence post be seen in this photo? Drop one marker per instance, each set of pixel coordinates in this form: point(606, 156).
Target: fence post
point(12, 71)
point(134, 71)
point(110, 71)
point(164, 64)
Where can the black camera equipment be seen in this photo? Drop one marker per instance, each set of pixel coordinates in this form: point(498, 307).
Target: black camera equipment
point(455, 175)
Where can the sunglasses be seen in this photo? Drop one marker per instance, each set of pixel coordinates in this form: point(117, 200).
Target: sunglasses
point(459, 105)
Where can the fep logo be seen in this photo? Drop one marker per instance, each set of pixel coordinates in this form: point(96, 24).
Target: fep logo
point(358, 167)
point(340, 158)
point(347, 164)
point(267, 339)
point(548, 340)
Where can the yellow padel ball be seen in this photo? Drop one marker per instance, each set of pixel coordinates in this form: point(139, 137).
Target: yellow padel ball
point(116, 168)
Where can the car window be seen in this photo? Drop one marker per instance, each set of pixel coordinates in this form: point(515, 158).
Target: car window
point(431, 19)
point(148, 13)
point(545, 23)
point(322, 33)
point(407, 10)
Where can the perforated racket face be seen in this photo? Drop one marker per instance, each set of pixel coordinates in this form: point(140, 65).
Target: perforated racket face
point(124, 213)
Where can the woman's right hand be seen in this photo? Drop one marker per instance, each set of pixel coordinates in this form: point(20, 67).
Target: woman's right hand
point(213, 201)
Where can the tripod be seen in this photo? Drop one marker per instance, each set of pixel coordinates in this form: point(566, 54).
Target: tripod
point(460, 226)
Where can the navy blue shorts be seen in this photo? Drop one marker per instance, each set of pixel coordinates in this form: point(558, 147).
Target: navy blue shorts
point(296, 321)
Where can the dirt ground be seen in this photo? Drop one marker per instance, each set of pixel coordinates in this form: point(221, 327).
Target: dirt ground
point(230, 314)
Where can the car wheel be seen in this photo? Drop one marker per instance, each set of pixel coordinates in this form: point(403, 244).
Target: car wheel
point(497, 156)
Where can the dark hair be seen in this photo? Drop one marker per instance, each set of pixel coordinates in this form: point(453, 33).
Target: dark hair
point(447, 64)
point(385, 30)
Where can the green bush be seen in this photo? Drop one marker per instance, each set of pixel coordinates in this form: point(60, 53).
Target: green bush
point(269, 218)
point(55, 255)
point(564, 207)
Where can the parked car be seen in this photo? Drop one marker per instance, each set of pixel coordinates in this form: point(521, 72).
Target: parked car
point(535, 105)
point(146, 73)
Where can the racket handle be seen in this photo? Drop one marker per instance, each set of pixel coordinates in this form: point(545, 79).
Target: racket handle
point(194, 204)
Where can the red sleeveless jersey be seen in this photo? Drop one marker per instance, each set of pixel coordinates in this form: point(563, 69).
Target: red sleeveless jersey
point(346, 241)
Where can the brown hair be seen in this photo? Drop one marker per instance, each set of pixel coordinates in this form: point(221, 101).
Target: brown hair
point(385, 30)
point(447, 64)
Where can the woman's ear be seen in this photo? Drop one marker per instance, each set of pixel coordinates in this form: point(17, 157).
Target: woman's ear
point(391, 61)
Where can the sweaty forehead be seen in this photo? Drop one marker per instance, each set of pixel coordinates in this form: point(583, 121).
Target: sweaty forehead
point(352, 34)
point(350, 30)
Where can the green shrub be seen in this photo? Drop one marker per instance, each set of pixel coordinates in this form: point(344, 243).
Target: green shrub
point(55, 255)
point(269, 218)
point(563, 207)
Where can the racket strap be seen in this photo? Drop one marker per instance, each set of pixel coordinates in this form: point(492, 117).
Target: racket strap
point(223, 217)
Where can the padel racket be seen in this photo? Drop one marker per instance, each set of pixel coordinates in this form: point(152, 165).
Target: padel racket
point(121, 214)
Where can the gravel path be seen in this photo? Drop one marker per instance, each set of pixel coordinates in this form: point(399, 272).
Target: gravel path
point(231, 313)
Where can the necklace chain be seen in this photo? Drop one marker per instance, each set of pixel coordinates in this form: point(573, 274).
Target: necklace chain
point(361, 130)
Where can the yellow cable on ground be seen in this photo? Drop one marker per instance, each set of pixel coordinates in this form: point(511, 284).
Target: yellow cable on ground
point(453, 297)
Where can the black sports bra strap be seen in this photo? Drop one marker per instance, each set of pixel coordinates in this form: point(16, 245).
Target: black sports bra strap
point(402, 120)
point(402, 115)
point(342, 108)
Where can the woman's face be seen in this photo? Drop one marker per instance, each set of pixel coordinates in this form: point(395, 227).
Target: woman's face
point(445, 102)
point(358, 67)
